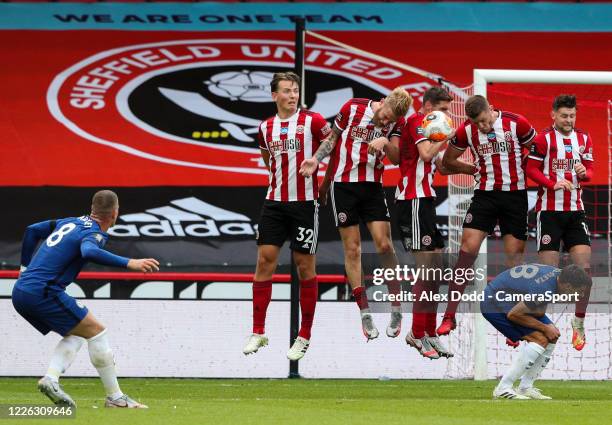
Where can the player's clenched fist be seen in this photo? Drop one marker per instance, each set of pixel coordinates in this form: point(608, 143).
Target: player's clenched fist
point(144, 265)
point(309, 167)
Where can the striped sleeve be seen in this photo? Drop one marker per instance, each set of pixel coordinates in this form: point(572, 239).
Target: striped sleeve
point(524, 130)
point(460, 140)
point(341, 121)
point(538, 148)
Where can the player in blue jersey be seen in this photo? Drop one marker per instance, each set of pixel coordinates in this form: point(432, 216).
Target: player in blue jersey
point(66, 245)
point(515, 304)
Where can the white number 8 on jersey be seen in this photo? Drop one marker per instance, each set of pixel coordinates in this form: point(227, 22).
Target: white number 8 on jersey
point(57, 236)
point(526, 271)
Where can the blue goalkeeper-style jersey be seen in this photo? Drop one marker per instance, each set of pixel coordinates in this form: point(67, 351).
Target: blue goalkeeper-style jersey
point(535, 279)
point(67, 245)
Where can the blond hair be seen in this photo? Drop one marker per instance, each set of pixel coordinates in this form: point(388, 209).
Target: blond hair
point(399, 101)
point(104, 203)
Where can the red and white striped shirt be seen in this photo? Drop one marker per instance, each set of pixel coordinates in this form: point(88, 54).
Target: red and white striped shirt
point(416, 175)
point(557, 155)
point(499, 160)
point(289, 141)
point(351, 161)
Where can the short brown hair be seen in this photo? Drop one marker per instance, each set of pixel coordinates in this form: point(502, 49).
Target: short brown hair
point(104, 202)
point(399, 101)
point(476, 105)
point(435, 95)
point(564, 101)
point(283, 76)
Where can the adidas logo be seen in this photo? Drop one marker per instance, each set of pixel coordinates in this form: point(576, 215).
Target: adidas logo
point(186, 217)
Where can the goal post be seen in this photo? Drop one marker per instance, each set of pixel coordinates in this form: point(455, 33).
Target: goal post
point(483, 77)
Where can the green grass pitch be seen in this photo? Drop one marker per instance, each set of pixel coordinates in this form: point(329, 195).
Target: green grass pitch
point(319, 402)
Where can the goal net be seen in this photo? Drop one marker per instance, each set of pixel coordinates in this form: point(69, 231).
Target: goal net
point(531, 93)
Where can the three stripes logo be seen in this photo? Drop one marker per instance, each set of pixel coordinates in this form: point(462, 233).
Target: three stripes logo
point(184, 218)
point(507, 394)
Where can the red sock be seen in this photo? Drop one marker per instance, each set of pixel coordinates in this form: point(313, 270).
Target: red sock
point(309, 291)
point(418, 310)
point(432, 312)
point(465, 261)
point(262, 294)
point(361, 298)
point(582, 304)
point(418, 324)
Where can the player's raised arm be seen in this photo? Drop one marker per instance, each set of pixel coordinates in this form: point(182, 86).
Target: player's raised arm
point(33, 234)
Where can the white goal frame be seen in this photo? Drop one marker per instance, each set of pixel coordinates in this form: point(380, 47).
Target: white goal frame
point(481, 78)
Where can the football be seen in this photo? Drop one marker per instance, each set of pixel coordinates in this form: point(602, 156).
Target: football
point(437, 126)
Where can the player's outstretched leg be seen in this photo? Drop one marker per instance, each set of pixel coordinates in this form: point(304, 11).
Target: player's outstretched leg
point(526, 387)
point(62, 358)
point(102, 359)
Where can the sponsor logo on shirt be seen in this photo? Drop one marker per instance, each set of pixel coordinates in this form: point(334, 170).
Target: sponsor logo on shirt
point(564, 164)
point(287, 145)
point(494, 147)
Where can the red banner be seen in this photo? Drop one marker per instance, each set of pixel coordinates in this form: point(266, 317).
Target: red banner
point(120, 108)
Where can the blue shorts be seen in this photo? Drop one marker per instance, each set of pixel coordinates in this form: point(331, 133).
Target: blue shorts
point(506, 327)
point(57, 312)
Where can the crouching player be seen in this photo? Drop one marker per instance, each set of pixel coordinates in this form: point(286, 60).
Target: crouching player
point(39, 293)
point(526, 320)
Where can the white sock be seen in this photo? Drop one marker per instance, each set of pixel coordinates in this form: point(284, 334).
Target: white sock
point(63, 356)
point(101, 357)
point(525, 360)
point(538, 367)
